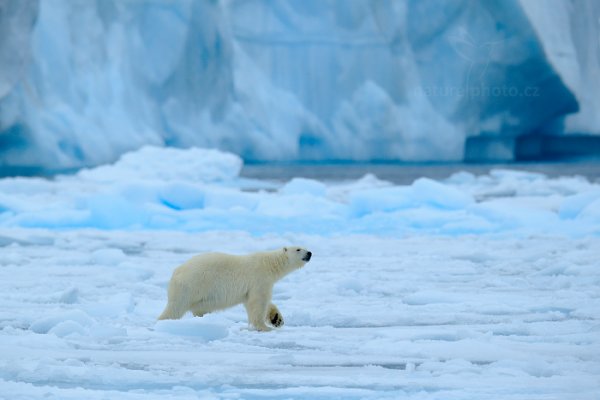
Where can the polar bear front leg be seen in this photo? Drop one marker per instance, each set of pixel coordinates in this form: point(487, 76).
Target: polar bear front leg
point(256, 307)
point(275, 317)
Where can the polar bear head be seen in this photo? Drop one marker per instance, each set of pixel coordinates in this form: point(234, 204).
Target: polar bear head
point(297, 256)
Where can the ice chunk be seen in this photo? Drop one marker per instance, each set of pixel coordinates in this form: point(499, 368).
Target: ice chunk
point(422, 192)
point(304, 186)
point(166, 165)
point(66, 328)
point(436, 194)
point(379, 200)
point(65, 322)
point(574, 205)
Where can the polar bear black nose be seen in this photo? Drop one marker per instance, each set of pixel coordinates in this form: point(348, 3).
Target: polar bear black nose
point(307, 256)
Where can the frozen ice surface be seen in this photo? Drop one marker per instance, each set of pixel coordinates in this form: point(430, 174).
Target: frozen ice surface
point(370, 317)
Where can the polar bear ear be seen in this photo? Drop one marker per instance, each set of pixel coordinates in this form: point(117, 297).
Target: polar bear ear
point(285, 249)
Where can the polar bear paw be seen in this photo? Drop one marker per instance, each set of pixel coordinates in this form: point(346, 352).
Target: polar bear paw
point(275, 317)
point(277, 320)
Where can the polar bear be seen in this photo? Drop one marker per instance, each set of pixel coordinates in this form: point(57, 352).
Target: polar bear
point(216, 281)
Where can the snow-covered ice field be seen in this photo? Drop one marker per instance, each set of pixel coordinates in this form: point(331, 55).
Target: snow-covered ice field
point(477, 287)
point(420, 317)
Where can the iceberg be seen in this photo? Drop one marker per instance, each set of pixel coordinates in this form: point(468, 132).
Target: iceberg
point(83, 82)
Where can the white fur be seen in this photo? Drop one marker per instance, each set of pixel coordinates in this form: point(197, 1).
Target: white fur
point(215, 281)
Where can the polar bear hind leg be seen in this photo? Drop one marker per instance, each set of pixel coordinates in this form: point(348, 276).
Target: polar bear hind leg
point(173, 310)
point(177, 303)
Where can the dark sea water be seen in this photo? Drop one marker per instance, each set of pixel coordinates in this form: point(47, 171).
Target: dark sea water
point(407, 173)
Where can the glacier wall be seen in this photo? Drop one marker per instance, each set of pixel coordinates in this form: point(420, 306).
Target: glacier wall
point(571, 33)
point(82, 82)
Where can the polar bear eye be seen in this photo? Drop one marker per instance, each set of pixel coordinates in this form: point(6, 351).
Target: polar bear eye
point(297, 249)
